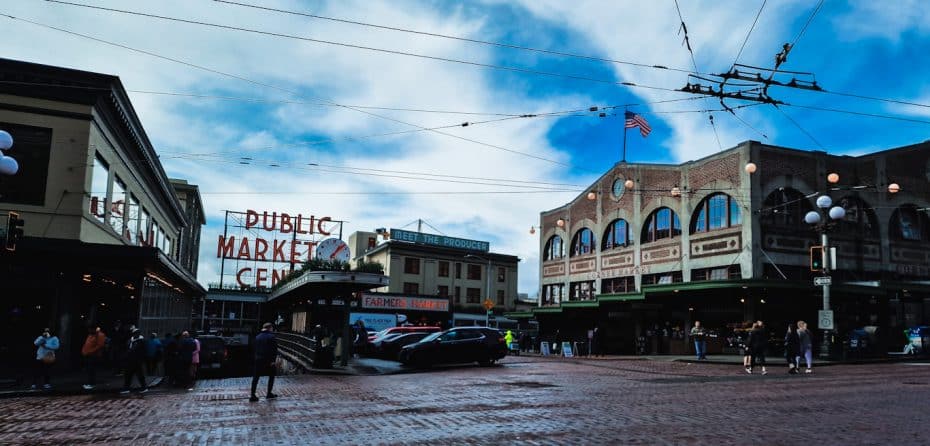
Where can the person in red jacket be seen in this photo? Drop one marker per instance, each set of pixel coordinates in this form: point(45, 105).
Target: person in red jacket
point(92, 351)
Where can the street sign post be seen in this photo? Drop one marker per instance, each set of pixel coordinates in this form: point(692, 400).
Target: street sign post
point(823, 280)
point(825, 319)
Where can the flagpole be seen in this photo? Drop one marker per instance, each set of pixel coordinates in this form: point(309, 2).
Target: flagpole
point(624, 135)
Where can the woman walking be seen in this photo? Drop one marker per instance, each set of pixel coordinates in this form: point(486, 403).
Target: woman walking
point(792, 347)
point(805, 345)
point(46, 346)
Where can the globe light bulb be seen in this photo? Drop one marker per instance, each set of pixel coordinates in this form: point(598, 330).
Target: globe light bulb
point(894, 188)
point(812, 218)
point(628, 184)
point(824, 201)
point(833, 178)
point(750, 168)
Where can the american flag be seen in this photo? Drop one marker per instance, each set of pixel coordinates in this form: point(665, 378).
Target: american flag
point(633, 120)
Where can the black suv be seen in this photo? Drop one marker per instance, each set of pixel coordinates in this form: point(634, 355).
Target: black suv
point(457, 345)
point(213, 352)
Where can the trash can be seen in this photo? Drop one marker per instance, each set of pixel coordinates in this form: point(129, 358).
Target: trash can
point(858, 342)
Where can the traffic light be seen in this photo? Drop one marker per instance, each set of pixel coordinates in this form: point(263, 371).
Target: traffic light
point(816, 258)
point(14, 231)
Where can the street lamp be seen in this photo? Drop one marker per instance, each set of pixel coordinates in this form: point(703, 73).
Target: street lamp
point(487, 291)
point(8, 165)
point(823, 225)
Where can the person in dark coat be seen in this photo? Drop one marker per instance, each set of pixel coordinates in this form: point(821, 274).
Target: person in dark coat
point(185, 358)
point(135, 358)
point(266, 352)
point(792, 348)
point(757, 343)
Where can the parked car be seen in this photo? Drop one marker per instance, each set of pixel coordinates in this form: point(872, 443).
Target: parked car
point(458, 345)
point(402, 330)
point(213, 352)
point(389, 346)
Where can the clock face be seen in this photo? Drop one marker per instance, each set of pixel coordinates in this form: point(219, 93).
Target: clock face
point(618, 188)
point(333, 249)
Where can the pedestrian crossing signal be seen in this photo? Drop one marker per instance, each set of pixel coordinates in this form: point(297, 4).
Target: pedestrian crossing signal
point(816, 258)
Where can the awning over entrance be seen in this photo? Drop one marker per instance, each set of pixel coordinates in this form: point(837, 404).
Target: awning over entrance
point(78, 256)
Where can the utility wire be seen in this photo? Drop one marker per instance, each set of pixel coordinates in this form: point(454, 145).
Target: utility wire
point(363, 47)
point(796, 124)
point(506, 192)
point(849, 112)
point(751, 28)
point(462, 39)
point(263, 84)
point(710, 116)
point(809, 20)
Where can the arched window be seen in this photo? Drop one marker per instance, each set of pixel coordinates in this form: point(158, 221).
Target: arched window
point(617, 235)
point(554, 249)
point(909, 224)
point(786, 207)
point(717, 211)
point(860, 220)
point(582, 242)
point(660, 224)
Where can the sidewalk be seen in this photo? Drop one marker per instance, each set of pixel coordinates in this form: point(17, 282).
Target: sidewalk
point(71, 383)
point(729, 359)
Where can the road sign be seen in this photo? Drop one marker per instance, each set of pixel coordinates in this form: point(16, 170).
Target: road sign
point(825, 319)
point(488, 304)
point(823, 280)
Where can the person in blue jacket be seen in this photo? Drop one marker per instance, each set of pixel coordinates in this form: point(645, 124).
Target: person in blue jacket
point(266, 352)
point(46, 346)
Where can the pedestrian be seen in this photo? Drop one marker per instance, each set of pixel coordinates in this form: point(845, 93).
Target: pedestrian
point(46, 346)
point(154, 350)
point(524, 342)
point(266, 352)
point(792, 347)
point(743, 342)
point(195, 363)
point(92, 352)
point(170, 345)
point(185, 356)
point(360, 342)
point(700, 344)
point(757, 344)
point(508, 338)
point(805, 345)
point(135, 360)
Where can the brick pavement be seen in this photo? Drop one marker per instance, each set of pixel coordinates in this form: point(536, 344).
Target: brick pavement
point(524, 401)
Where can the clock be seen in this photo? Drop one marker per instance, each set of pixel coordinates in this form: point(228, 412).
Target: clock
point(333, 249)
point(618, 188)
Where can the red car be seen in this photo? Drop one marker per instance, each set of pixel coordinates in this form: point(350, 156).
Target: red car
point(402, 330)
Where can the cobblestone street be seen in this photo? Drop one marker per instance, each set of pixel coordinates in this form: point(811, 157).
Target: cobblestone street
point(523, 401)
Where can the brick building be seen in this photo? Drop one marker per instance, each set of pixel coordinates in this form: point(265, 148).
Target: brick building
point(650, 248)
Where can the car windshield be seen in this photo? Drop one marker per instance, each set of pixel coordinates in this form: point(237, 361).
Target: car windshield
point(431, 337)
point(382, 332)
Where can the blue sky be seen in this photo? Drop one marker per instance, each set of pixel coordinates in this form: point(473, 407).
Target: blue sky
point(866, 48)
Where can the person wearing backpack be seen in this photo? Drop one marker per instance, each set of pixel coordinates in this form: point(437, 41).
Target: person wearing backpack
point(758, 341)
point(135, 359)
point(46, 346)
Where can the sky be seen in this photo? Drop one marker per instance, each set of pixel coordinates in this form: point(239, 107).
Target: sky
point(321, 125)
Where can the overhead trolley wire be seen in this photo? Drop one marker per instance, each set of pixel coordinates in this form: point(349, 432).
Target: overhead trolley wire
point(459, 38)
point(264, 84)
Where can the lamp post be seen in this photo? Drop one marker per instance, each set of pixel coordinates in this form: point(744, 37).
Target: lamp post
point(8, 165)
point(487, 290)
point(823, 224)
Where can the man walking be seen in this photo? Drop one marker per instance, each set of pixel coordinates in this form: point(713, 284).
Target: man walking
point(266, 351)
point(135, 358)
point(92, 351)
point(700, 344)
point(758, 341)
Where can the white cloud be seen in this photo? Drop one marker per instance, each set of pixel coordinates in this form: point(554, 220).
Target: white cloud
point(886, 20)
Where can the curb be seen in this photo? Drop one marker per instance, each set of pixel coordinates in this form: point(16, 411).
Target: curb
point(819, 364)
point(99, 390)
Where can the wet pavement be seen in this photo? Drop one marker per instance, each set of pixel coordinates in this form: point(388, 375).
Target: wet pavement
point(523, 401)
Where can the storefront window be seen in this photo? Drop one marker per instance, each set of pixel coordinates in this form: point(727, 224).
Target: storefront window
point(554, 248)
point(617, 234)
point(132, 229)
point(118, 208)
point(98, 189)
point(661, 224)
point(582, 242)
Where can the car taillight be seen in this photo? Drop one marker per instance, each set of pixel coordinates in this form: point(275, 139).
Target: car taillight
point(500, 339)
point(225, 353)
